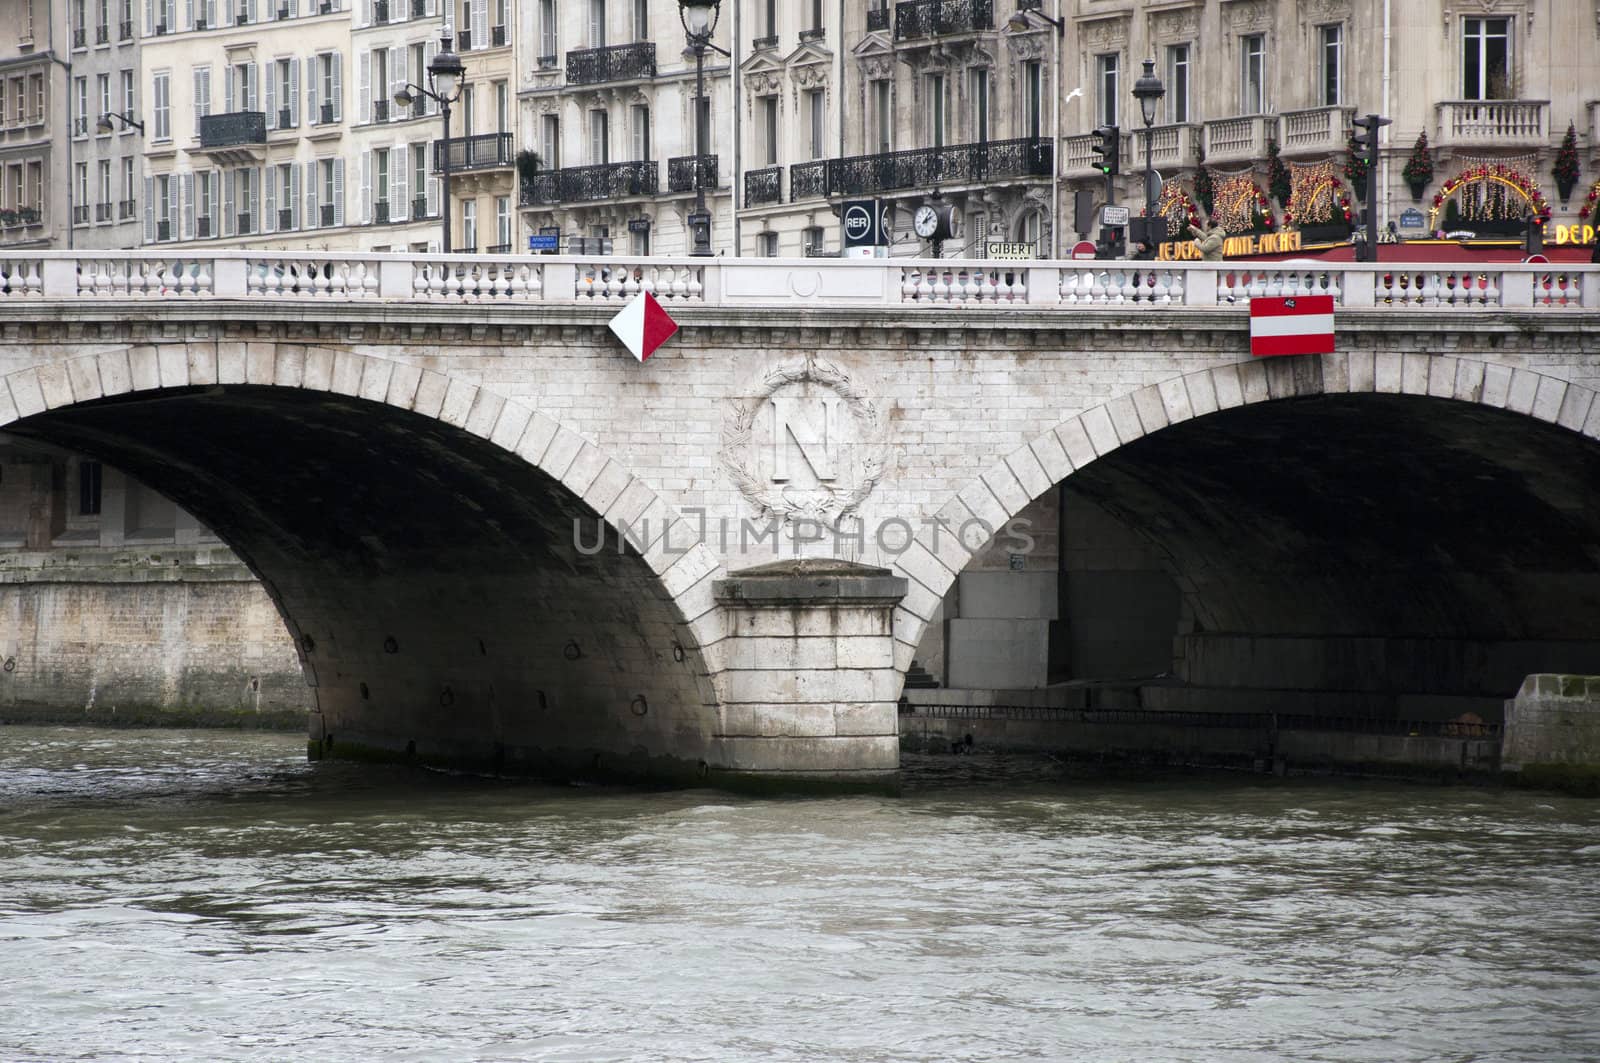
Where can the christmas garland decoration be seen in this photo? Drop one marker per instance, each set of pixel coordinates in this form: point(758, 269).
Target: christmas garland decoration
point(1307, 203)
point(1241, 206)
point(1180, 210)
point(1494, 174)
point(1591, 206)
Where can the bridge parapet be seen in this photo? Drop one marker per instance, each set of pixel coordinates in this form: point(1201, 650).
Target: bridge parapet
point(799, 283)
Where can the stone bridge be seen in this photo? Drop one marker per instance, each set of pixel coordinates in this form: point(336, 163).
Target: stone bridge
point(496, 538)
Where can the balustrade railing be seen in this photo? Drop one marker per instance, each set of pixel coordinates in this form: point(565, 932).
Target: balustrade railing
point(585, 184)
point(926, 18)
point(1501, 123)
point(1225, 289)
point(763, 186)
point(681, 173)
point(1321, 129)
point(620, 62)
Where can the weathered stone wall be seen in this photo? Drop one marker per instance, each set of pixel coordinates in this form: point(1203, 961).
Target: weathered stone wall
point(1552, 731)
point(102, 632)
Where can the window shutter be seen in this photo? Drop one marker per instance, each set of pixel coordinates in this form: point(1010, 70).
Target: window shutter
point(480, 23)
point(149, 210)
point(252, 86)
point(338, 191)
point(294, 195)
point(366, 13)
point(364, 82)
point(366, 188)
point(228, 211)
point(255, 198)
point(313, 217)
point(338, 86)
point(188, 14)
point(227, 13)
point(429, 50)
point(433, 8)
point(199, 96)
point(272, 94)
point(399, 207)
point(294, 92)
point(397, 76)
point(269, 223)
point(149, 18)
point(172, 202)
point(188, 206)
point(227, 89)
point(433, 197)
point(210, 8)
point(311, 91)
point(250, 10)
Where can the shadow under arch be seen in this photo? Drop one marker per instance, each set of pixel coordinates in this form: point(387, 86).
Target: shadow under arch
point(451, 565)
point(1516, 447)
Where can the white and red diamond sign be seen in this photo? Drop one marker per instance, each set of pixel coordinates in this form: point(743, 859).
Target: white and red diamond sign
point(1296, 324)
point(643, 326)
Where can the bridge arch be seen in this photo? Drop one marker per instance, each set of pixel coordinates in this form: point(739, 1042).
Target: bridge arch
point(465, 578)
point(1108, 437)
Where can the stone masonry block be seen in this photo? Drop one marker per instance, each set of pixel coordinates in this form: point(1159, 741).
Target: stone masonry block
point(863, 651)
point(1547, 400)
point(1175, 401)
point(458, 399)
point(610, 483)
point(1524, 387)
point(1029, 473)
point(84, 376)
point(1575, 406)
point(985, 507)
point(1496, 385)
point(1442, 377)
point(430, 393)
point(260, 362)
point(1253, 382)
point(920, 565)
point(762, 654)
point(1414, 373)
point(26, 394)
point(1007, 488)
point(776, 720)
point(1151, 407)
point(562, 452)
point(55, 386)
point(116, 378)
point(145, 367)
point(403, 383)
point(347, 368)
point(376, 376)
point(867, 718)
point(536, 439)
point(1229, 389)
point(1387, 372)
point(1469, 381)
point(584, 468)
point(1125, 419)
point(202, 358)
point(1052, 457)
point(692, 568)
point(1102, 436)
point(862, 753)
point(230, 362)
point(319, 369)
point(291, 369)
point(8, 408)
point(1363, 371)
point(1336, 373)
point(510, 425)
point(1591, 426)
point(485, 411)
point(172, 362)
point(1076, 442)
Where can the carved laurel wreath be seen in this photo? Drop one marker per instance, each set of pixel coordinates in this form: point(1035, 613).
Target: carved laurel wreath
point(826, 503)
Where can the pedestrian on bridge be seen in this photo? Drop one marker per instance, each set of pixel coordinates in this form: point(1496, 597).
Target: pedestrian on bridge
point(1210, 240)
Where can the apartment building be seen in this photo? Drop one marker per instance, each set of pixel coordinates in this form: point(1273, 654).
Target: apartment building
point(34, 125)
point(107, 143)
point(482, 144)
point(608, 108)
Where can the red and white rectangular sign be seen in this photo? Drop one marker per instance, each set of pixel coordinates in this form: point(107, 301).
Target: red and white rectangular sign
point(1295, 324)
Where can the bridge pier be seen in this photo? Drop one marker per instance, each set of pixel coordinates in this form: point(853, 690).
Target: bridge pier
point(808, 684)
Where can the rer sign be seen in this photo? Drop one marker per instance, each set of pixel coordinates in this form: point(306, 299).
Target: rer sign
point(1296, 324)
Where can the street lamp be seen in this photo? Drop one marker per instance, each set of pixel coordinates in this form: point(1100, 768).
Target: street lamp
point(445, 84)
point(104, 127)
point(1148, 90)
point(699, 18)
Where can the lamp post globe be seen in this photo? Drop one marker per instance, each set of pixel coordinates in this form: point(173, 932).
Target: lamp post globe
point(1148, 90)
point(699, 18)
point(445, 71)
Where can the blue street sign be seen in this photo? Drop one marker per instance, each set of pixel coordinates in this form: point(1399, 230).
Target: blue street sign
point(538, 242)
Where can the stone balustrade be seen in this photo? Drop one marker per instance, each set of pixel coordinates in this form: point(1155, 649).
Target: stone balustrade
point(522, 279)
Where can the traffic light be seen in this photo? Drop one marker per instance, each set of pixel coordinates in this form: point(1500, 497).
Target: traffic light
point(1366, 137)
point(1108, 145)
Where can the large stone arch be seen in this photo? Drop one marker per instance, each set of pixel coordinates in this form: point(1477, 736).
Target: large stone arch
point(634, 678)
point(935, 558)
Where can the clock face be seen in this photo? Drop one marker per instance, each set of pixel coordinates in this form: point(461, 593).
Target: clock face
point(926, 221)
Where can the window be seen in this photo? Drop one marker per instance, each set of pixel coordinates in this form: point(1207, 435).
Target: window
point(1032, 98)
point(1108, 75)
point(286, 74)
point(640, 117)
point(127, 97)
point(1485, 58)
point(547, 28)
point(597, 23)
point(935, 109)
point(769, 130)
point(105, 190)
point(1330, 54)
point(550, 140)
point(36, 93)
point(638, 239)
point(89, 475)
point(330, 91)
point(127, 190)
point(641, 20)
point(102, 94)
point(161, 106)
point(978, 97)
point(469, 110)
point(817, 109)
point(1252, 74)
point(883, 115)
point(205, 206)
point(599, 137)
point(769, 244)
point(81, 193)
point(330, 194)
point(816, 15)
point(1177, 83)
point(469, 226)
point(380, 185)
point(812, 241)
point(502, 221)
point(419, 181)
point(772, 18)
point(380, 88)
point(502, 107)
point(80, 98)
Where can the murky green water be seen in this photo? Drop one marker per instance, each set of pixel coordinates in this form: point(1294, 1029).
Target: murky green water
point(195, 895)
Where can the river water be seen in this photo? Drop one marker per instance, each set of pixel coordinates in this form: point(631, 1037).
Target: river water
point(208, 895)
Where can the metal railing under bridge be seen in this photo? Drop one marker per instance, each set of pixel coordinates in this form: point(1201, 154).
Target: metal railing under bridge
point(1248, 721)
point(196, 272)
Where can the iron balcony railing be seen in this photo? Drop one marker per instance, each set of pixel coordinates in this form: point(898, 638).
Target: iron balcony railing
point(103, 211)
point(233, 128)
point(125, 209)
point(380, 212)
point(763, 186)
point(585, 184)
point(621, 62)
point(927, 18)
point(419, 206)
point(878, 18)
point(486, 151)
point(680, 172)
point(957, 164)
point(125, 31)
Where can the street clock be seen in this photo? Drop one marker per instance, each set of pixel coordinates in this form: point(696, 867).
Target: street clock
point(935, 221)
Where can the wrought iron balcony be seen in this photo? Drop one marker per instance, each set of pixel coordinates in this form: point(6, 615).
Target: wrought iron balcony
point(233, 129)
point(958, 164)
point(680, 172)
point(585, 184)
point(80, 214)
point(125, 31)
point(202, 227)
point(380, 212)
point(419, 206)
point(80, 38)
point(928, 18)
point(622, 62)
point(464, 40)
point(102, 34)
point(285, 218)
point(877, 19)
point(808, 180)
point(763, 186)
point(380, 12)
point(486, 151)
point(497, 36)
point(164, 230)
point(125, 209)
point(102, 211)
point(380, 110)
point(326, 213)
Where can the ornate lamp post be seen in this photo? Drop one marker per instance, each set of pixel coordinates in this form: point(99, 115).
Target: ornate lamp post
point(699, 18)
point(445, 82)
point(1148, 90)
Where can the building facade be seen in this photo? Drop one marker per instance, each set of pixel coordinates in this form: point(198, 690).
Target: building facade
point(34, 126)
point(106, 141)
